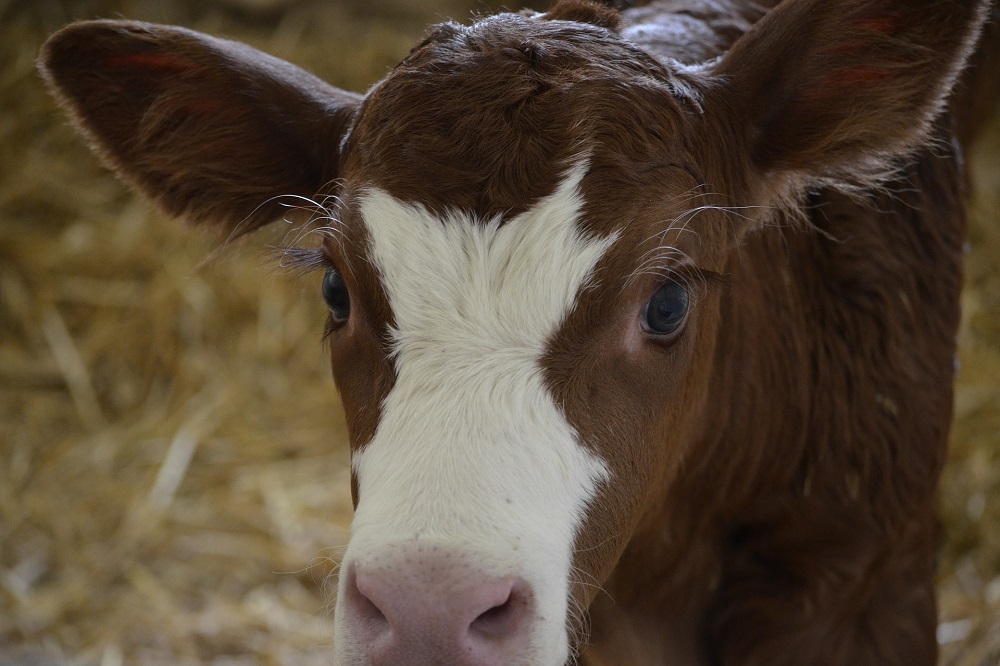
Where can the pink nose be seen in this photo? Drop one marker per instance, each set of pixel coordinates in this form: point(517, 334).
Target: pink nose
point(435, 612)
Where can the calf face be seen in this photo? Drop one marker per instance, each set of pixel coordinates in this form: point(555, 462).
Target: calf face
point(531, 218)
point(473, 483)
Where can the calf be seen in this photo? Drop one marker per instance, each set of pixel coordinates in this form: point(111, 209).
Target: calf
point(644, 322)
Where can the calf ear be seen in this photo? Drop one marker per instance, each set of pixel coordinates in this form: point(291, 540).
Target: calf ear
point(209, 129)
point(835, 90)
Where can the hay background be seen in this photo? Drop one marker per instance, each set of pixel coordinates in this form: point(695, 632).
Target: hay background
point(173, 469)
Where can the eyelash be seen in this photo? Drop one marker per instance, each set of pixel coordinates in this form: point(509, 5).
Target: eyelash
point(303, 260)
point(329, 327)
point(692, 276)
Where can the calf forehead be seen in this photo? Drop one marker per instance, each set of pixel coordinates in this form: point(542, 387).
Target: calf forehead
point(487, 118)
point(462, 289)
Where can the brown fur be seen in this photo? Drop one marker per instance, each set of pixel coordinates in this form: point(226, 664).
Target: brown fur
point(203, 126)
point(773, 468)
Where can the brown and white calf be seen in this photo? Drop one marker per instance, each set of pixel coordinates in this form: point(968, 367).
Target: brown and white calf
point(660, 302)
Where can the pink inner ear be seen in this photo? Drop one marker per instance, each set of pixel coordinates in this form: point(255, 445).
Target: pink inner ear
point(163, 63)
point(856, 75)
point(842, 82)
point(206, 106)
point(836, 82)
point(885, 24)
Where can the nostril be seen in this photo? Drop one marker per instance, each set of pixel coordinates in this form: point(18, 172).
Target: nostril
point(367, 610)
point(505, 618)
point(363, 606)
point(493, 622)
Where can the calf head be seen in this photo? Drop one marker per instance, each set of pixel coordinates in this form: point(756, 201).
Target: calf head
point(527, 223)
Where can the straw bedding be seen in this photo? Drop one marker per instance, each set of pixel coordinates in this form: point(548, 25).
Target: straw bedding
point(174, 479)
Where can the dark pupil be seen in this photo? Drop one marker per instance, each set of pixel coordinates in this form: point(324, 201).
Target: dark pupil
point(335, 294)
point(666, 310)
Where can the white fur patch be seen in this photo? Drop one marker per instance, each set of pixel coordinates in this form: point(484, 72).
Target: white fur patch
point(472, 454)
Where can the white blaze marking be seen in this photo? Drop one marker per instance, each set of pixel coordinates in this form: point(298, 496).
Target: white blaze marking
point(471, 451)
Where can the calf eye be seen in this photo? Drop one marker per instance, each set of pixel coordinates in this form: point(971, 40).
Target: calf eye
point(667, 310)
point(336, 296)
